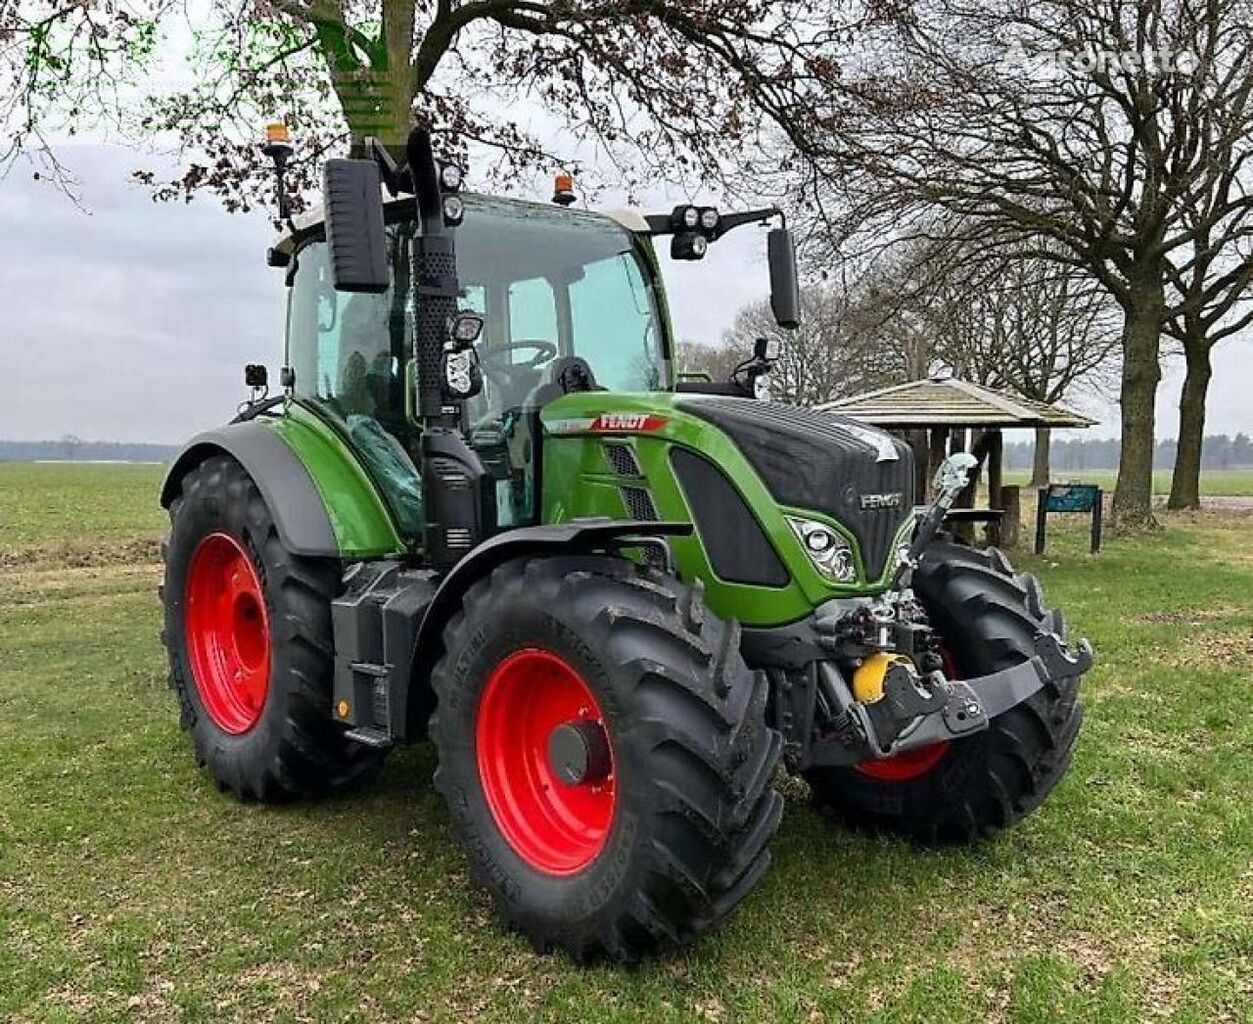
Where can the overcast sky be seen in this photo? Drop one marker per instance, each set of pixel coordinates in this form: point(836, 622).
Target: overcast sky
point(132, 321)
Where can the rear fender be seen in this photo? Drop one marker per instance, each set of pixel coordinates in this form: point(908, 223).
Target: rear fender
point(289, 492)
point(324, 505)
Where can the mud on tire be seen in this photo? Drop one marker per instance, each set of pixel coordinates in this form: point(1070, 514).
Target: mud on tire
point(987, 617)
point(693, 757)
point(295, 748)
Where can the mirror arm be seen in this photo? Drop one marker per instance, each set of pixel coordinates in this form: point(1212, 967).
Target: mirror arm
point(396, 179)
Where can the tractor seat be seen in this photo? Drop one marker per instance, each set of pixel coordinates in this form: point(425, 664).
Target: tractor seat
point(566, 376)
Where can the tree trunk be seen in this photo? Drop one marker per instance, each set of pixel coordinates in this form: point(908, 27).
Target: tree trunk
point(1141, 373)
point(1041, 472)
point(1185, 484)
point(374, 78)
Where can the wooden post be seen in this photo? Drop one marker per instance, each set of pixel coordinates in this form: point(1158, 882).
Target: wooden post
point(1098, 516)
point(996, 455)
point(1011, 521)
point(939, 442)
point(1041, 514)
point(963, 530)
point(918, 442)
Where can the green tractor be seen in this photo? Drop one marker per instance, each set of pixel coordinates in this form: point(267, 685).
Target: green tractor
point(485, 510)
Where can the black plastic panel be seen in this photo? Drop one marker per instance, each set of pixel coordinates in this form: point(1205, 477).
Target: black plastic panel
point(824, 462)
point(739, 550)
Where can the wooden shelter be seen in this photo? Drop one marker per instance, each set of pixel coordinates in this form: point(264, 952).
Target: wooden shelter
point(943, 415)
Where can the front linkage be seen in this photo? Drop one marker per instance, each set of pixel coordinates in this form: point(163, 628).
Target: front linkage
point(911, 703)
point(918, 710)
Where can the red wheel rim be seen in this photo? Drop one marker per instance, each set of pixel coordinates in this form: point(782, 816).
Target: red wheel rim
point(556, 826)
point(912, 764)
point(228, 633)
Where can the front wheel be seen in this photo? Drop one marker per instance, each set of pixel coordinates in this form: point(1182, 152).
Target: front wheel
point(986, 618)
point(604, 754)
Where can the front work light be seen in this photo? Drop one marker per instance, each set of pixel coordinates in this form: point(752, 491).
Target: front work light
point(466, 328)
point(450, 177)
point(685, 218)
point(454, 210)
point(689, 245)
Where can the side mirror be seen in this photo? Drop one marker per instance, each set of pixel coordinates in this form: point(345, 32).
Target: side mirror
point(354, 225)
point(785, 294)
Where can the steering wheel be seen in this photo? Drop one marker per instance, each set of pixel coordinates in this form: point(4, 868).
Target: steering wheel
point(491, 358)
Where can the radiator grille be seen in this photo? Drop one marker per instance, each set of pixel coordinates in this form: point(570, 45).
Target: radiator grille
point(639, 504)
point(622, 459)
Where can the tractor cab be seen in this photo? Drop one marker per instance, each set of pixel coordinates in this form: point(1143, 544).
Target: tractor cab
point(568, 301)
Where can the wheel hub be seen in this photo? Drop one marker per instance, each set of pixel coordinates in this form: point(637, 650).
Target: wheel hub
point(579, 752)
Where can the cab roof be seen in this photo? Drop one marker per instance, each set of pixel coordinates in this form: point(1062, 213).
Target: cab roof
point(309, 223)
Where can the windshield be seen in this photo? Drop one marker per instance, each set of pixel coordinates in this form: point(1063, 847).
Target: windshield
point(550, 283)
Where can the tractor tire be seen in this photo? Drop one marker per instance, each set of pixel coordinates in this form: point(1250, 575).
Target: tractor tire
point(248, 634)
point(660, 828)
point(986, 617)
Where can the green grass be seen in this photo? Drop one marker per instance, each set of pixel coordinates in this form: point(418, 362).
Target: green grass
point(131, 888)
point(1227, 483)
point(57, 505)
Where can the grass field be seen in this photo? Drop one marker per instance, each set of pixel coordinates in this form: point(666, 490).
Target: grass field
point(130, 888)
point(1228, 483)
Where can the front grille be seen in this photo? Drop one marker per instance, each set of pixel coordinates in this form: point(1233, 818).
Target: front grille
point(738, 549)
point(622, 459)
point(639, 504)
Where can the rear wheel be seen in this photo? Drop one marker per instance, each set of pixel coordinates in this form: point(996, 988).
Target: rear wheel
point(248, 633)
point(604, 754)
point(987, 618)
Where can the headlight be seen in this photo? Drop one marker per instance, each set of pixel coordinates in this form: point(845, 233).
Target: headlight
point(828, 550)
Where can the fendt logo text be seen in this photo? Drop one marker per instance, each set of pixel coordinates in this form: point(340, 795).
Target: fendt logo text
point(628, 421)
point(880, 501)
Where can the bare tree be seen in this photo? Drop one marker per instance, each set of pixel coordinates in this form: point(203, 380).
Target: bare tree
point(1093, 124)
point(67, 67)
point(1213, 273)
point(1034, 327)
point(716, 362)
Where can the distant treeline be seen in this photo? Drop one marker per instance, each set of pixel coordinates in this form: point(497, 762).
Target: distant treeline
point(1219, 452)
point(72, 449)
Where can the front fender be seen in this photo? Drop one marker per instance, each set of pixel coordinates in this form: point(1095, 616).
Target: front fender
point(585, 536)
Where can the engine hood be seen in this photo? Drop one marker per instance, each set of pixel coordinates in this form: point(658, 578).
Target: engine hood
point(861, 477)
